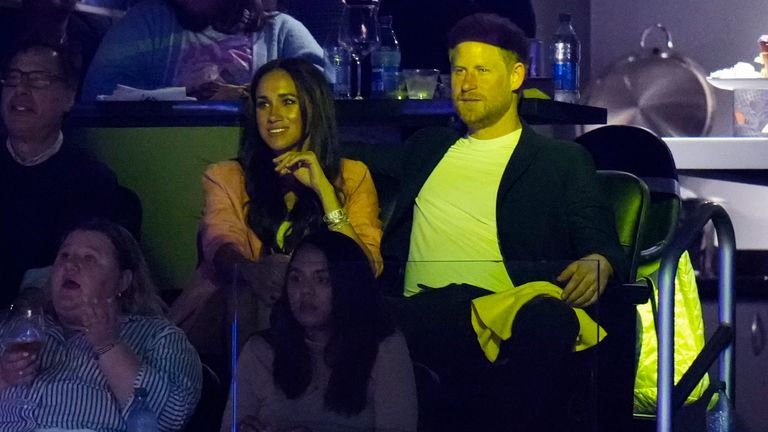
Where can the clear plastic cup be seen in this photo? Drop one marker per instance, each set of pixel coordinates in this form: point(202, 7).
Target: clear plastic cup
point(421, 83)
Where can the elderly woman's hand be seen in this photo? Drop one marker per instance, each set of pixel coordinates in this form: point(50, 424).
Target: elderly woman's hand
point(18, 366)
point(100, 320)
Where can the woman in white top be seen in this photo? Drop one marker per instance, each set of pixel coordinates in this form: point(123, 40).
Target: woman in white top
point(332, 360)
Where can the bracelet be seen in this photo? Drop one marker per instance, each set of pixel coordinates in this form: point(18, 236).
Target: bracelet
point(338, 225)
point(98, 352)
point(338, 216)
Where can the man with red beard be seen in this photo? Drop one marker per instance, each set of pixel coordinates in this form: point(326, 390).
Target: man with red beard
point(46, 182)
point(487, 212)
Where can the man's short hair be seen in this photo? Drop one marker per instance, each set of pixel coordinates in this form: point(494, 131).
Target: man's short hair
point(493, 30)
point(68, 60)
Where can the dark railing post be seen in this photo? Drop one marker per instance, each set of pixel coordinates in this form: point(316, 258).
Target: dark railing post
point(666, 332)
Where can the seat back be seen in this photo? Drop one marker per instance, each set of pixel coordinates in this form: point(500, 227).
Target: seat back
point(640, 152)
point(129, 212)
point(209, 410)
point(629, 198)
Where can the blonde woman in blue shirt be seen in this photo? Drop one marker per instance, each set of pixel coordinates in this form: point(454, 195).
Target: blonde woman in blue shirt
point(104, 338)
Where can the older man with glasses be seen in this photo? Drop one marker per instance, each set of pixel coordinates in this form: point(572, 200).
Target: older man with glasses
point(46, 182)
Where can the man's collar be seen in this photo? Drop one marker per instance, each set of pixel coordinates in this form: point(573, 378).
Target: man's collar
point(37, 160)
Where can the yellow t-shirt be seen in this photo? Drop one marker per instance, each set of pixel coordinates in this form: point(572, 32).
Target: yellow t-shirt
point(454, 236)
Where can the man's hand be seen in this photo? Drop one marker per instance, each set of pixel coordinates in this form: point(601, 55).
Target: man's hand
point(585, 280)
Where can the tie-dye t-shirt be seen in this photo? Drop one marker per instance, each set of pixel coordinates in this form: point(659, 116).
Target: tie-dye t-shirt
point(211, 56)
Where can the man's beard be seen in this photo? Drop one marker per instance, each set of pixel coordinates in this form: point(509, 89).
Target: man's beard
point(481, 115)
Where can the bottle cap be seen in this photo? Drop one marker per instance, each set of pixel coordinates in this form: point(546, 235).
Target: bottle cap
point(564, 17)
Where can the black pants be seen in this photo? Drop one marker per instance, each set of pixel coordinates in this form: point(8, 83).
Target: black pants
point(527, 389)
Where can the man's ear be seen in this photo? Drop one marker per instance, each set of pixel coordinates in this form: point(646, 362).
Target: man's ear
point(517, 76)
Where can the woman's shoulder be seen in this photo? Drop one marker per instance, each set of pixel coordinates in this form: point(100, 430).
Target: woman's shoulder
point(351, 168)
point(258, 349)
point(151, 10)
point(394, 342)
point(281, 21)
point(227, 168)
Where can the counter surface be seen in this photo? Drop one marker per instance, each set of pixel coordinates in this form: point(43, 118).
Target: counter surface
point(719, 153)
point(384, 112)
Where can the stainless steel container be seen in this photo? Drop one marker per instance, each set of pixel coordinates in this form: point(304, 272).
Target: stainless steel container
point(656, 88)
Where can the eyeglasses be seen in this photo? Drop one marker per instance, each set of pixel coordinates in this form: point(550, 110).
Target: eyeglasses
point(34, 79)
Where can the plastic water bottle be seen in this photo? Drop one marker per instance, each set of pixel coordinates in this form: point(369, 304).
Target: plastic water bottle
point(565, 54)
point(720, 417)
point(337, 70)
point(385, 62)
point(141, 418)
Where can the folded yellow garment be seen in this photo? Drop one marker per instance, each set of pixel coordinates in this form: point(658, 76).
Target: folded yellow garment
point(492, 317)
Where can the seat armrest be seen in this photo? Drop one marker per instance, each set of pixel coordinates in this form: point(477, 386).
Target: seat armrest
point(628, 293)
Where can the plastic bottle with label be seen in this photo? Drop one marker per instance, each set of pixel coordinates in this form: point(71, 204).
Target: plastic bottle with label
point(565, 54)
point(337, 64)
point(141, 418)
point(720, 417)
point(385, 62)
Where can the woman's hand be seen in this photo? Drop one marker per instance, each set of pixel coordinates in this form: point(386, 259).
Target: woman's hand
point(213, 90)
point(100, 321)
point(267, 277)
point(18, 366)
point(305, 168)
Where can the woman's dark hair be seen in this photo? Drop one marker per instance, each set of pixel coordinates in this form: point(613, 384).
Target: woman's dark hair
point(358, 321)
point(141, 297)
point(266, 206)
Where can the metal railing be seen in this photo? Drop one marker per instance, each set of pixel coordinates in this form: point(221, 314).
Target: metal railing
point(727, 245)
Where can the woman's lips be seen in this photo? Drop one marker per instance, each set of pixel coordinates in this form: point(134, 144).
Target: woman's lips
point(70, 284)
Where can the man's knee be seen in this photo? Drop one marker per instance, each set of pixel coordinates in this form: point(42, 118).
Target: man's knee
point(546, 325)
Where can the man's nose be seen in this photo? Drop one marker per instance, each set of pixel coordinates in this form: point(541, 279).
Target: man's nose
point(468, 82)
